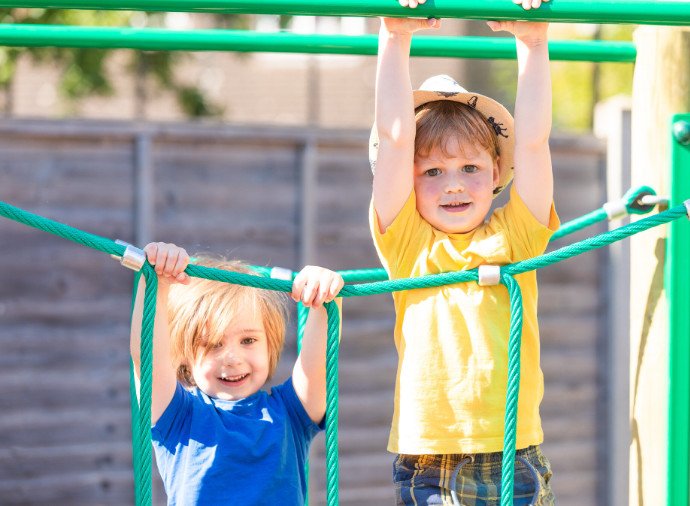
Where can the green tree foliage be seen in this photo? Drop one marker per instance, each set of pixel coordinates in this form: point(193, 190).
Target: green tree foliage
point(84, 71)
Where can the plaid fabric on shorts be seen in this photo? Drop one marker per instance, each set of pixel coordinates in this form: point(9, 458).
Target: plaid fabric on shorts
point(426, 479)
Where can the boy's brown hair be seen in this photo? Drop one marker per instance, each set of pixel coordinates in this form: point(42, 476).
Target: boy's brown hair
point(199, 314)
point(440, 121)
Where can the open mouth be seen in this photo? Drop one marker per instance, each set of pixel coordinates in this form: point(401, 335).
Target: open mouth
point(456, 206)
point(233, 379)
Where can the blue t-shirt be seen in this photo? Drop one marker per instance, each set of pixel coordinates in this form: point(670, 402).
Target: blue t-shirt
point(249, 452)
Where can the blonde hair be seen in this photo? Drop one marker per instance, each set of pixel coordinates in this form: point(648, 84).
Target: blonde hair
point(200, 312)
point(441, 121)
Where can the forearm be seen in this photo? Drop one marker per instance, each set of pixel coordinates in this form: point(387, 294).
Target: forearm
point(309, 374)
point(160, 326)
point(395, 124)
point(394, 113)
point(533, 177)
point(163, 371)
point(533, 101)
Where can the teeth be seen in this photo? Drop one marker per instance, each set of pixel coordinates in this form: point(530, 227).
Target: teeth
point(234, 378)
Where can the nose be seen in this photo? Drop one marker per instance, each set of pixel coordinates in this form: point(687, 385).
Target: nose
point(232, 356)
point(454, 182)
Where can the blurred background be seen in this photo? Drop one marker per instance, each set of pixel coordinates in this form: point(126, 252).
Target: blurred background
point(264, 157)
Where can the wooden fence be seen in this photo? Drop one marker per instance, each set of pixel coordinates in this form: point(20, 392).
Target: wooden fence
point(271, 196)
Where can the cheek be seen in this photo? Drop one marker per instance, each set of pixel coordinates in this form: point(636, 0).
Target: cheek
point(484, 183)
point(425, 187)
point(204, 366)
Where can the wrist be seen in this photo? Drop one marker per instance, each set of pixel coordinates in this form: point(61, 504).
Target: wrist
point(533, 41)
point(532, 44)
point(396, 35)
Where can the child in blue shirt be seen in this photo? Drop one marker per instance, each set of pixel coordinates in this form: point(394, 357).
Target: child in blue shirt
point(219, 439)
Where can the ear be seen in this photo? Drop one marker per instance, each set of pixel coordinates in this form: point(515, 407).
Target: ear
point(496, 172)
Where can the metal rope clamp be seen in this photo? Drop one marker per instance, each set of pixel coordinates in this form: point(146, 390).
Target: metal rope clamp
point(687, 208)
point(281, 273)
point(489, 275)
point(616, 209)
point(133, 258)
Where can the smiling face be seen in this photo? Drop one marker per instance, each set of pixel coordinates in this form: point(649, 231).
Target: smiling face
point(225, 338)
point(454, 185)
point(238, 365)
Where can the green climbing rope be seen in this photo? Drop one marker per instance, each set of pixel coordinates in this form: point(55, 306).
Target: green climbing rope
point(513, 389)
point(630, 203)
point(142, 437)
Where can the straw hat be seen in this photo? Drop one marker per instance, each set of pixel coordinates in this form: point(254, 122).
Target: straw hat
point(442, 87)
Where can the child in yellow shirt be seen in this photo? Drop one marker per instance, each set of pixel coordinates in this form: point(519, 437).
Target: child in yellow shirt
point(441, 154)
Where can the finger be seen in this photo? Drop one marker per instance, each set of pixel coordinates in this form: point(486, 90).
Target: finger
point(310, 292)
point(404, 3)
point(151, 250)
point(161, 257)
point(171, 261)
point(300, 282)
point(180, 266)
point(297, 287)
point(536, 4)
point(323, 293)
point(183, 278)
point(334, 287)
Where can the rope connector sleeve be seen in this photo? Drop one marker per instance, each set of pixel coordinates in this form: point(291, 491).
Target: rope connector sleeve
point(133, 257)
point(616, 209)
point(687, 208)
point(489, 275)
point(281, 273)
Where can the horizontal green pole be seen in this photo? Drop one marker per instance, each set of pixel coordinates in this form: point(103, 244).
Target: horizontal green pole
point(158, 39)
point(648, 12)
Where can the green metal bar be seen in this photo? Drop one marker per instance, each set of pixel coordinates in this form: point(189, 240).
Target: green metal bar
point(677, 288)
point(159, 39)
point(648, 12)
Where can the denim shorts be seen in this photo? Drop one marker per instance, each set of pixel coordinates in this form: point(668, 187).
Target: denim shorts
point(428, 479)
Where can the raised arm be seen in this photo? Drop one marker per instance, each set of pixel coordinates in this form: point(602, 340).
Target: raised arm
point(533, 177)
point(169, 261)
point(394, 116)
point(313, 286)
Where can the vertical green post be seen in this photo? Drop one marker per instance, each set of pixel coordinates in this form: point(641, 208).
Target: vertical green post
point(677, 288)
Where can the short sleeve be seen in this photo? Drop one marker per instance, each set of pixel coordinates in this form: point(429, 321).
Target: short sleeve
point(174, 416)
point(295, 409)
point(529, 237)
point(393, 246)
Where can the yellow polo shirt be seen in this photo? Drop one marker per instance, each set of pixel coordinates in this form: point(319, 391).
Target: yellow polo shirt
point(452, 340)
